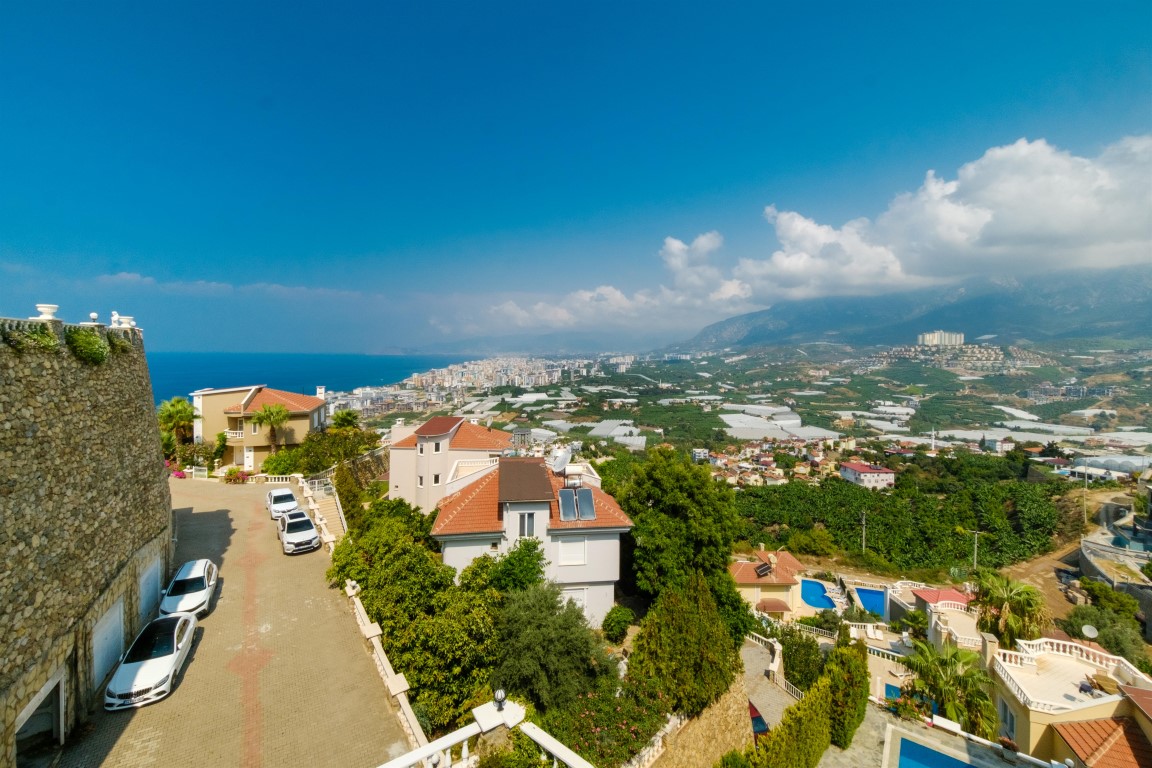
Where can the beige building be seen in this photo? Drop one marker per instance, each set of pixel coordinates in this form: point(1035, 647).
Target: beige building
point(771, 583)
point(439, 457)
point(230, 411)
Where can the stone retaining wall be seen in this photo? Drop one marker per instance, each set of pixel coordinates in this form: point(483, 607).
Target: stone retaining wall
point(703, 740)
point(84, 510)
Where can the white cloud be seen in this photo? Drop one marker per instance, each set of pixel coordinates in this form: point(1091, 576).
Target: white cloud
point(1020, 209)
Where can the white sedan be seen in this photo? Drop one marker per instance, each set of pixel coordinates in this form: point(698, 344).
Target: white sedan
point(191, 589)
point(149, 669)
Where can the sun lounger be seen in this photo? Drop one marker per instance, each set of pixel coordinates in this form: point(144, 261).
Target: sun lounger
point(906, 639)
point(874, 632)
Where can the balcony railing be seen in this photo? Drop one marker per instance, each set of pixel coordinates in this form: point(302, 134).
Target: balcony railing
point(234, 434)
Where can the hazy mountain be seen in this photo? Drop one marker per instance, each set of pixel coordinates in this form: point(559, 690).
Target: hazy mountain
point(1095, 303)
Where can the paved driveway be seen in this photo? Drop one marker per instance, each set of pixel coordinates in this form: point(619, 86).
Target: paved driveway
point(279, 675)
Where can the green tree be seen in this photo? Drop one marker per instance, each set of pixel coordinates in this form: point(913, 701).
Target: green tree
point(916, 624)
point(952, 677)
point(684, 521)
point(274, 416)
point(545, 650)
point(616, 623)
point(520, 568)
point(345, 419)
point(177, 416)
point(802, 736)
point(1104, 596)
point(848, 678)
point(1009, 609)
point(684, 646)
point(803, 660)
point(350, 495)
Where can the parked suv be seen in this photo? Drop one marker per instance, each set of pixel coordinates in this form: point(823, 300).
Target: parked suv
point(281, 501)
point(297, 533)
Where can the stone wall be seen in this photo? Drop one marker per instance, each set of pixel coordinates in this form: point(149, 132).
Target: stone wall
point(84, 508)
point(719, 729)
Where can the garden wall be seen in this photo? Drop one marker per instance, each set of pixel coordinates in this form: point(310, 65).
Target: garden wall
point(85, 511)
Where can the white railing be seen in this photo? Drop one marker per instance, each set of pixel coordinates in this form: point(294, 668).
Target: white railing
point(1018, 691)
point(1105, 661)
point(812, 630)
point(760, 640)
point(866, 584)
point(234, 434)
point(792, 690)
point(951, 605)
point(278, 478)
point(655, 748)
point(886, 654)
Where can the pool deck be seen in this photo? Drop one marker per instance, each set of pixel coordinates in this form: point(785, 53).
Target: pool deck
point(946, 743)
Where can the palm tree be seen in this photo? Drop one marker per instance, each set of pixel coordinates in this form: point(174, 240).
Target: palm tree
point(176, 416)
point(272, 416)
point(346, 419)
point(1011, 610)
point(952, 677)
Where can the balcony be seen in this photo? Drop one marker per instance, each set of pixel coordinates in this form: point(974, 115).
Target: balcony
point(234, 434)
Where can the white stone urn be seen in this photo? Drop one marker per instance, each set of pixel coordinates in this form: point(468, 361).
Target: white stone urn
point(47, 311)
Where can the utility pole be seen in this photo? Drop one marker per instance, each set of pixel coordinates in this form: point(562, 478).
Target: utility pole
point(864, 530)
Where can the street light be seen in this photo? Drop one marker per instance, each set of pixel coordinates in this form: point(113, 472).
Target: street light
point(975, 542)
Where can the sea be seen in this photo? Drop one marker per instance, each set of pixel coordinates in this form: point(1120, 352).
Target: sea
point(176, 374)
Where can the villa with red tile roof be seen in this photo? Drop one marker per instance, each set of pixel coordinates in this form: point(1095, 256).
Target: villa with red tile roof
point(770, 583)
point(578, 525)
point(867, 475)
point(229, 411)
point(431, 460)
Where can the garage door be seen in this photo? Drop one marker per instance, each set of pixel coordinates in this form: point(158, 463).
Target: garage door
point(107, 642)
point(149, 591)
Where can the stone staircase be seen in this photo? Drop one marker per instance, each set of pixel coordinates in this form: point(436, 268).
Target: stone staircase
point(326, 507)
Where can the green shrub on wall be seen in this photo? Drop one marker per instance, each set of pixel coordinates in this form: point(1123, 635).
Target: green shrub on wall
point(119, 343)
point(616, 623)
point(847, 673)
point(37, 337)
point(87, 345)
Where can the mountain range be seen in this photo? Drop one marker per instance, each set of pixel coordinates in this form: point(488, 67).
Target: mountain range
point(1114, 303)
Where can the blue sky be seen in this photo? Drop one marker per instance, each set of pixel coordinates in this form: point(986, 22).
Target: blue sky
point(374, 177)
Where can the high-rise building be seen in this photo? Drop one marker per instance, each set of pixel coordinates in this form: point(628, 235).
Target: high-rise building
point(940, 339)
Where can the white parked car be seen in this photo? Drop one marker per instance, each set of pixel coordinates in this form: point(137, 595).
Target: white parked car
point(297, 533)
point(148, 670)
point(280, 501)
point(191, 589)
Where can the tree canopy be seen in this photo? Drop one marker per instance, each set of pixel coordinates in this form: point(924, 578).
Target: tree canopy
point(177, 417)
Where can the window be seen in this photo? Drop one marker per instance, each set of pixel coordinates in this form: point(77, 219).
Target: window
point(419, 481)
point(494, 546)
point(420, 449)
point(573, 551)
point(435, 479)
point(1007, 720)
point(527, 525)
point(255, 429)
point(578, 595)
point(436, 447)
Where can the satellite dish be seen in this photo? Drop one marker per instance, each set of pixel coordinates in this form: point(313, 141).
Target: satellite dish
point(560, 461)
point(1090, 631)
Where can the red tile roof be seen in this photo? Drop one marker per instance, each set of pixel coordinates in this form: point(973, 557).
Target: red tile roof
point(1115, 742)
point(467, 437)
point(294, 402)
point(933, 596)
point(784, 572)
point(476, 508)
point(1141, 697)
point(866, 469)
point(438, 425)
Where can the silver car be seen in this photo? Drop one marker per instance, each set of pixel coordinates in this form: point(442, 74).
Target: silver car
point(280, 502)
point(297, 533)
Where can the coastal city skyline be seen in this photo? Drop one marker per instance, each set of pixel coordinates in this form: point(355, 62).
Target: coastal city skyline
point(392, 179)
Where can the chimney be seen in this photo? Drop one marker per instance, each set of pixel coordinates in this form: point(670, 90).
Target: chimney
point(320, 391)
point(988, 647)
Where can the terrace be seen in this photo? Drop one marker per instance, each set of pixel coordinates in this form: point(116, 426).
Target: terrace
point(1048, 675)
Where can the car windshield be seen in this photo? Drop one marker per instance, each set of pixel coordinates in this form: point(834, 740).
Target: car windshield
point(186, 586)
point(299, 526)
point(158, 639)
point(282, 498)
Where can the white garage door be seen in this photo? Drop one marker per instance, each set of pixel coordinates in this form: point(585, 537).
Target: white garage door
point(149, 591)
point(107, 642)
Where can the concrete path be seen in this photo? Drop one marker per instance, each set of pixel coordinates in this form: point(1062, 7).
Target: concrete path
point(768, 697)
point(279, 675)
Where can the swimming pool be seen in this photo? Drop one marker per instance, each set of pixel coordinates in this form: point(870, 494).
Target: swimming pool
point(814, 594)
point(874, 600)
point(915, 755)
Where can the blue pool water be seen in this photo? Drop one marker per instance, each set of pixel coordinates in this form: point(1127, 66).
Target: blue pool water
point(891, 691)
point(916, 755)
point(814, 594)
point(874, 600)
